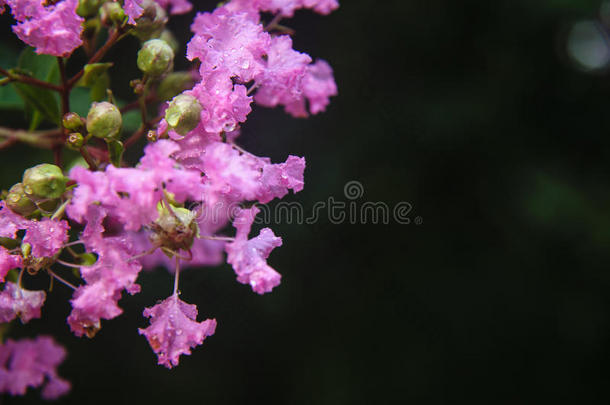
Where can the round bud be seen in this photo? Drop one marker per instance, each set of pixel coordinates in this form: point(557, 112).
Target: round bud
point(72, 122)
point(112, 13)
point(75, 141)
point(152, 21)
point(104, 120)
point(88, 8)
point(44, 182)
point(174, 84)
point(183, 113)
point(152, 136)
point(18, 202)
point(175, 229)
point(155, 58)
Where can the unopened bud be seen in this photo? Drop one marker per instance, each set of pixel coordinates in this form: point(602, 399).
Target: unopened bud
point(183, 113)
point(152, 21)
point(174, 84)
point(88, 8)
point(155, 58)
point(75, 141)
point(175, 228)
point(18, 202)
point(152, 136)
point(44, 182)
point(72, 122)
point(104, 120)
point(112, 13)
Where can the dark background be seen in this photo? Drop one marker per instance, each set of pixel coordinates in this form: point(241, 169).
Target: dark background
point(473, 113)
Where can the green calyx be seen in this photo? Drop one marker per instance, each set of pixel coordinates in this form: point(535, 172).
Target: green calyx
point(18, 202)
point(183, 113)
point(155, 58)
point(104, 120)
point(44, 182)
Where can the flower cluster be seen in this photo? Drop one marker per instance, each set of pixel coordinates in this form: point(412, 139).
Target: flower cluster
point(96, 226)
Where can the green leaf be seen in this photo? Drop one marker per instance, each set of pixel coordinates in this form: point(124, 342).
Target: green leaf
point(116, 149)
point(43, 67)
point(42, 101)
point(93, 72)
point(39, 103)
point(100, 87)
point(9, 99)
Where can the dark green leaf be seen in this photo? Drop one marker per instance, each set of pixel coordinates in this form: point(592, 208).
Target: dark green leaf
point(41, 100)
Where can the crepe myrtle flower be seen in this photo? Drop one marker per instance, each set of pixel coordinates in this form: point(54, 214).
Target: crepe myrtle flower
point(93, 225)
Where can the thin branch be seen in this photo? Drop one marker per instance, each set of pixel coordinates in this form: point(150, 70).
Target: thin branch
point(114, 37)
point(29, 80)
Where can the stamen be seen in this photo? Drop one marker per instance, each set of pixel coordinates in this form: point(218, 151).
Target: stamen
point(61, 280)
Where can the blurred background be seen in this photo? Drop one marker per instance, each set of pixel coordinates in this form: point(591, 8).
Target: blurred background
point(492, 120)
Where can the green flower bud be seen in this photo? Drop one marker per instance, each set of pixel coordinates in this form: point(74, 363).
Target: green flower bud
point(72, 122)
point(18, 202)
point(104, 120)
point(44, 182)
point(75, 141)
point(183, 113)
point(88, 8)
point(155, 58)
point(174, 84)
point(112, 13)
point(152, 21)
point(175, 229)
point(152, 136)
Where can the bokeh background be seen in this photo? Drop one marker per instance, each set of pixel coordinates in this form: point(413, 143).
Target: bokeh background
point(492, 119)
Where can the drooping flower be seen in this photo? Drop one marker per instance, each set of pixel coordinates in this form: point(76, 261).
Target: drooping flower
point(113, 272)
point(32, 363)
point(19, 302)
point(249, 256)
point(318, 86)
point(174, 329)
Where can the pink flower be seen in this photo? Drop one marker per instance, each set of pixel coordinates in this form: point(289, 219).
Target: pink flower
point(228, 41)
point(113, 272)
point(232, 176)
point(32, 363)
point(249, 257)
point(284, 7)
point(318, 86)
point(45, 236)
point(174, 329)
point(53, 30)
point(131, 195)
point(133, 8)
point(8, 262)
point(16, 301)
point(281, 80)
